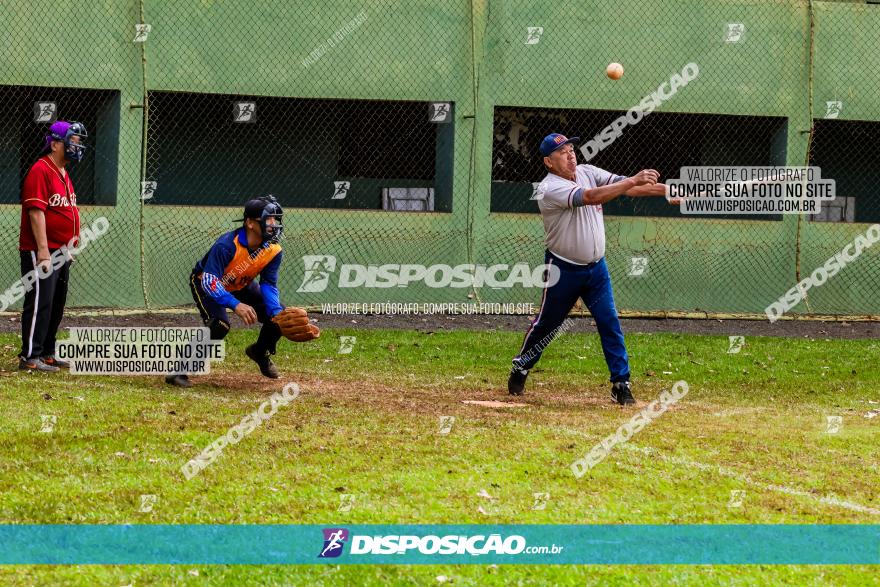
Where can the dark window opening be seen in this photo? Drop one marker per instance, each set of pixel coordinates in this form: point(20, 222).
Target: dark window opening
point(28, 111)
point(856, 197)
point(220, 150)
point(662, 141)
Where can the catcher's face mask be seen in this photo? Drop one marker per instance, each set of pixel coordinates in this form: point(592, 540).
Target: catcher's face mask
point(261, 210)
point(271, 231)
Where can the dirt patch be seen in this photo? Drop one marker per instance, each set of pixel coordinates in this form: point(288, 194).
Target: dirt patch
point(493, 404)
point(369, 396)
point(442, 322)
point(374, 397)
point(248, 383)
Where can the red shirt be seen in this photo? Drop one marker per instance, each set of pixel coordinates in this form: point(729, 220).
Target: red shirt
point(46, 189)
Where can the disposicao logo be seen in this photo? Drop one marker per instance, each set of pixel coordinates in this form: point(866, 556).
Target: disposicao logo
point(334, 541)
point(319, 268)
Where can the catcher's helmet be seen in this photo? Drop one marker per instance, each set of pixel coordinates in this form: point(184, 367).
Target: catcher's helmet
point(262, 209)
point(63, 131)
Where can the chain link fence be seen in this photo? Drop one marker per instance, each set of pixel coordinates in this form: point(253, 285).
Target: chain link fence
point(345, 112)
point(76, 62)
point(406, 133)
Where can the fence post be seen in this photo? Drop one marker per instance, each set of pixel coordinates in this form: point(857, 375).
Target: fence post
point(144, 126)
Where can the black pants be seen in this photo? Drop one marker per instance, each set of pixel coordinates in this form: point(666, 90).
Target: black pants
point(43, 308)
point(217, 320)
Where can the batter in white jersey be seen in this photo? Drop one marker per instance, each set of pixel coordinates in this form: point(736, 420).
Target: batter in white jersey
point(574, 233)
point(570, 199)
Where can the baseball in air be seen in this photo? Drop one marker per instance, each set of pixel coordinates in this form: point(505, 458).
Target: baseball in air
point(614, 70)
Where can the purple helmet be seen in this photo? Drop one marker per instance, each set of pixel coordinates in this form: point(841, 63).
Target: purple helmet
point(62, 130)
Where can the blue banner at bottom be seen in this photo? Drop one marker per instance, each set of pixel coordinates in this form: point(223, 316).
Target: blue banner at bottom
point(440, 544)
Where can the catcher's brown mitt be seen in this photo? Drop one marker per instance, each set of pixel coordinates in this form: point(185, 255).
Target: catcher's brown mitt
point(295, 325)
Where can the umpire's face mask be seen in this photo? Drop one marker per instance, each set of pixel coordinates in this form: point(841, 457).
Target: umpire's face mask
point(75, 142)
point(73, 150)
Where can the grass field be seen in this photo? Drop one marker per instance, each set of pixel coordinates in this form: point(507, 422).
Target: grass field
point(367, 425)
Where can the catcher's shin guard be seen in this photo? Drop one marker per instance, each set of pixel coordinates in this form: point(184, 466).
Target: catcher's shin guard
point(219, 329)
point(269, 336)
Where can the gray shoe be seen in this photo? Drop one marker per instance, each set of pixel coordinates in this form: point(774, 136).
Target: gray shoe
point(51, 360)
point(35, 364)
point(178, 380)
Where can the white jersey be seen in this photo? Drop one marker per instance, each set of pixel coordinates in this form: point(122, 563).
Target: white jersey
point(574, 232)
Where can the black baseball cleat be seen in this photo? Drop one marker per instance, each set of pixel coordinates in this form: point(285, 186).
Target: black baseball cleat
point(516, 383)
point(264, 361)
point(178, 380)
point(622, 393)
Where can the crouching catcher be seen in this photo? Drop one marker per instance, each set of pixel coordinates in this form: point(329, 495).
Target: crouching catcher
point(224, 280)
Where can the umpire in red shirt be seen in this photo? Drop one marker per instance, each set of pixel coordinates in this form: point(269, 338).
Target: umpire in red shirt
point(49, 221)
